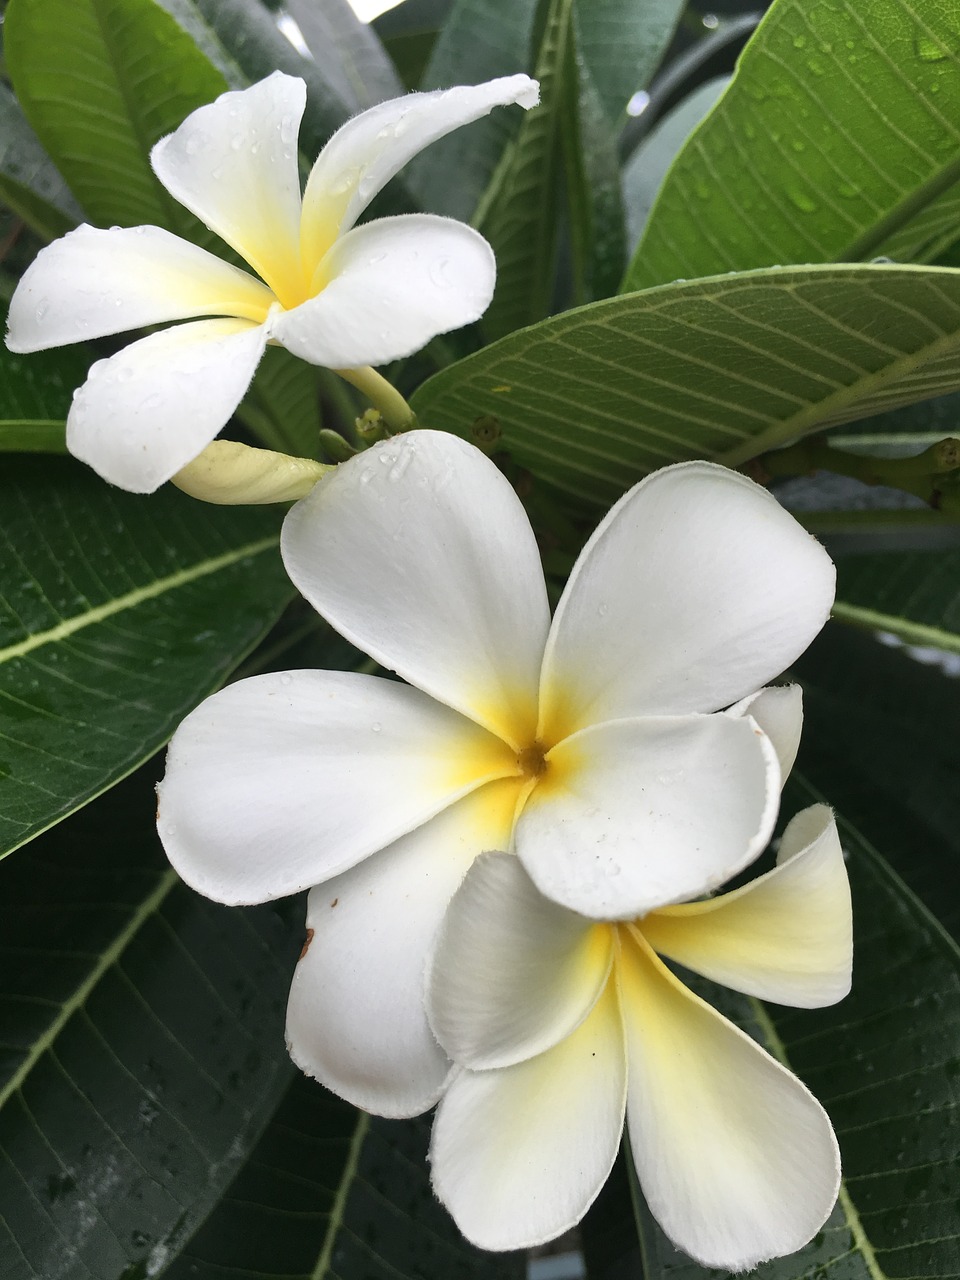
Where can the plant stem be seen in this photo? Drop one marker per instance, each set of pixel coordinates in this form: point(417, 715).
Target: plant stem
point(384, 397)
point(933, 475)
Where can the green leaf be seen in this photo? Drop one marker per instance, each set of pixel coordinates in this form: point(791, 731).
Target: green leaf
point(594, 194)
point(101, 81)
point(330, 1192)
point(142, 1046)
point(911, 594)
point(481, 39)
point(409, 33)
point(283, 404)
point(29, 183)
point(519, 209)
point(881, 723)
point(837, 141)
point(645, 170)
point(347, 51)
point(621, 43)
point(35, 395)
point(593, 399)
point(884, 1064)
point(119, 614)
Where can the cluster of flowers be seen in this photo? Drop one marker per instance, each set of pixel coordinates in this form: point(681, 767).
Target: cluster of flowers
point(505, 848)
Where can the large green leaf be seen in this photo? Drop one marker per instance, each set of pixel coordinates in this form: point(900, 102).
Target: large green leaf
point(29, 183)
point(119, 614)
point(519, 214)
point(728, 367)
point(332, 1194)
point(593, 186)
point(837, 141)
point(912, 594)
point(142, 1047)
point(101, 81)
point(480, 39)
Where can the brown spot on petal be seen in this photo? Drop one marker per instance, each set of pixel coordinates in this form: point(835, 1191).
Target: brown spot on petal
point(306, 943)
point(334, 902)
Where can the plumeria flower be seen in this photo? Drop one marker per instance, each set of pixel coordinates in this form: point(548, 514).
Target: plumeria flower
point(331, 292)
point(564, 1025)
point(590, 745)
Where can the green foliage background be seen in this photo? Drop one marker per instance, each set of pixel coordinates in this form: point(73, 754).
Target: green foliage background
point(793, 274)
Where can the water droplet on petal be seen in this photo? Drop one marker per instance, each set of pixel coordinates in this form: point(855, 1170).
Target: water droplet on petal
point(286, 678)
point(376, 726)
point(43, 306)
point(440, 274)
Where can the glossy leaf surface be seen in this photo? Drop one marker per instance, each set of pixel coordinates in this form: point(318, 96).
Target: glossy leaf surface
point(119, 613)
point(837, 141)
point(101, 81)
point(592, 399)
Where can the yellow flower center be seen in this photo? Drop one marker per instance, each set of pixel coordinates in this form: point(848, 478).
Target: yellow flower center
point(532, 760)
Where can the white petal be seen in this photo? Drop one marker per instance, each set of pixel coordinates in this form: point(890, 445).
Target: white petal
point(634, 814)
point(736, 1158)
point(520, 1154)
point(92, 283)
point(234, 164)
point(420, 553)
point(281, 781)
point(513, 973)
point(695, 589)
point(366, 152)
point(778, 710)
point(787, 936)
point(150, 409)
point(355, 1019)
point(388, 288)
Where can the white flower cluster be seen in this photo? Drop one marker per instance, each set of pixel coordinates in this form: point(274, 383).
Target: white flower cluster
point(509, 850)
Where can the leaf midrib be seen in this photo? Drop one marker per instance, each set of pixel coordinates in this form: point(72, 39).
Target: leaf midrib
point(138, 596)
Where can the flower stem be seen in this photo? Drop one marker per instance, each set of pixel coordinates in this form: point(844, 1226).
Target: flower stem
point(933, 475)
point(384, 397)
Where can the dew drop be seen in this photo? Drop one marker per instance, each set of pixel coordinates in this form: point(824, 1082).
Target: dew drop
point(800, 200)
point(929, 50)
point(440, 273)
point(286, 678)
point(376, 726)
point(602, 610)
point(43, 306)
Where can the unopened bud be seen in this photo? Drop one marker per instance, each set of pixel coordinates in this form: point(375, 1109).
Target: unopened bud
point(231, 474)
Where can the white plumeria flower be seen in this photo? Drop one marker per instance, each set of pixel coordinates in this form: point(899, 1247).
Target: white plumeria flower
point(589, 744)
point(564, 1026)
point(332, 293)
